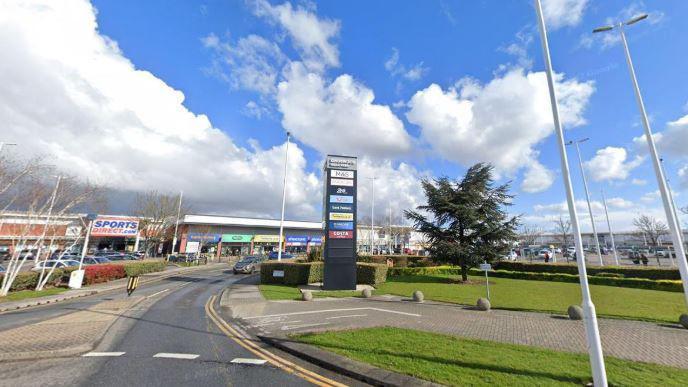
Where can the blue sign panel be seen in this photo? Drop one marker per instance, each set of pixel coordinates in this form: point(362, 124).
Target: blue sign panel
point(341, 199)
point(341, 225)
point(335, 207)
point(199, 237)
point(315, 241)
point(297, 239)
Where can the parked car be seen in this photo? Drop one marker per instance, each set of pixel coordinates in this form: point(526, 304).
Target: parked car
point(285, 255)
point(511, 256)
point(248, 264)
point(57, 264)
point(96, 260)
point(662, 253)
point(543, 252)
point(120, 257)
point(2, 269)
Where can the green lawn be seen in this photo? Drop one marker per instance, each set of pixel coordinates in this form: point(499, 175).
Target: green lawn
point(545, 296)
point(24, 294)
point(282, 292)
point(506, 293)
point(456, 361)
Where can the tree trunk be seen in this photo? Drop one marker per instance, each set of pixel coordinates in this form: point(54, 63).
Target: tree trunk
point(464, 273)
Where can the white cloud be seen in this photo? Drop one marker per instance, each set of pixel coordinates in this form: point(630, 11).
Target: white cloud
point(619, 203)
point(499, 122)
point(252, 63)
point(611, 38)
point(673, 140)
point(395, 68)
point(310, 34)
point(537, 178)
point(610, 164)
point(639, 181)
point(563, 13)
point(254, 109)
point(339, 117)
point(650, 197)
point(103, 119)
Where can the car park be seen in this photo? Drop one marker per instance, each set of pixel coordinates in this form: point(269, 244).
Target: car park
point(544, 252)
point(120, 257)
point(511, 256)
point(285, 255)
point(248, 264)
point(55, 263)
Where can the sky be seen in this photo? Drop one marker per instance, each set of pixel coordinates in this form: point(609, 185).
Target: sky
point(197, 96)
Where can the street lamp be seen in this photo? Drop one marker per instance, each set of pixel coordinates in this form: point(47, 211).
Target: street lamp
point(592, 332)
point(673, 209)
point(661, 182)
point(284, 199)
point(611, 234)
point(372, 213)
point(587, 196)
point(176, 225)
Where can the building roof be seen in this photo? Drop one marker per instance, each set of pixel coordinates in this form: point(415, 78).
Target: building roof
point(219, 220)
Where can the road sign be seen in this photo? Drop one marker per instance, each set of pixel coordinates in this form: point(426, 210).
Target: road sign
point(485, 266)
point(132, 284)
point(339, 214)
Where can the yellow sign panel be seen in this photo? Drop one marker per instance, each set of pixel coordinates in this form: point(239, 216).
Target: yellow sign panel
point(266, 238)
point(341, 216)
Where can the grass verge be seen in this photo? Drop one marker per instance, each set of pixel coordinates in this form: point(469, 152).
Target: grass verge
point(284, 292)
point(25, 294)
point(457, 361)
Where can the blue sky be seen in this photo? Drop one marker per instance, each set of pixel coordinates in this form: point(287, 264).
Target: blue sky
point(435, 69)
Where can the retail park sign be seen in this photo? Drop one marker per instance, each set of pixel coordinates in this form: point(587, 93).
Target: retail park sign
point(339, 214)
point(108, 226)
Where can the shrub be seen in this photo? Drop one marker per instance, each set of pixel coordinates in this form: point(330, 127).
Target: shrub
point(628, 272)
point(29, 279)
point(435, 270)
point(134, 268)
point(610, 275)
point(371, 273)
point(103, 273)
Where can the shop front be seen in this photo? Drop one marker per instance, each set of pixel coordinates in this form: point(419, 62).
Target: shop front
point(296, 244)
point(236, 244)
point(202, 243)
point(264, 244)
point(314, 243)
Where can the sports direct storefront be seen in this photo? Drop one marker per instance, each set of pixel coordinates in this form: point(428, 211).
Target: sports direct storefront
point(114, 233)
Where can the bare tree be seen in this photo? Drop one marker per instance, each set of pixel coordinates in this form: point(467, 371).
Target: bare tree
point(30, 187)
point(562, 230)
point(650, 227)
point(529, 234)
point(158, 215)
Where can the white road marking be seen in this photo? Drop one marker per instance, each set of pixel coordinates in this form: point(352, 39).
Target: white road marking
point(188, 356)
point(334, 310)
point(240, 360)
point(349, 315)
point(103, 354)
point(155, 294)
point(290, 327)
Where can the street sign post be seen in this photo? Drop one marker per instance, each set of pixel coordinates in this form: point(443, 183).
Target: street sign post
point(339, 219)
point(486, 267)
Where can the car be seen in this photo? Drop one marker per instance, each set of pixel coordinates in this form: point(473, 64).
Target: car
point(511, 256)
point(2, 269)
point(571, 249)
point(543, 252)
point(96, 260)
point(661, 253)
point(248, 265)
point(55, 263)
point(285, 255)
point(120, 257)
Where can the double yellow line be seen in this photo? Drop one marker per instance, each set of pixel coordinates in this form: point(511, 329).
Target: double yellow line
point(271, 358)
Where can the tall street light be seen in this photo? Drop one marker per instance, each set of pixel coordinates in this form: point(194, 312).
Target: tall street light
point(372, 214)
point(609, 225)
point(284, 199)
point(587, 196)
point(673, 209)
point(592, 332)
point(661, 182)
point(176, 224)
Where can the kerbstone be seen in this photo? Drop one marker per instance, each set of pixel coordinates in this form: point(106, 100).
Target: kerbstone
point(306, 295)
point(367, 293)
point(483, 304)
point(418, 296)
point(684, 320)
point(575, 312)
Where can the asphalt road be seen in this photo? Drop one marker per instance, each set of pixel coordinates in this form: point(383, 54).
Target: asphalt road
point(167, 340)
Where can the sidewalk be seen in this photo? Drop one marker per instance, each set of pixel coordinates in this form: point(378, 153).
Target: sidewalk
point(70, 334)
point(665, 344)
point(102, 287)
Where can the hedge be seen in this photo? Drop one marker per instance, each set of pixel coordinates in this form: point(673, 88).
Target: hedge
point(628, 272)
point(103, 273)
point(302, 273)
point(134, 268)
point(402, 271)
point(398, 260)
point(28, 280)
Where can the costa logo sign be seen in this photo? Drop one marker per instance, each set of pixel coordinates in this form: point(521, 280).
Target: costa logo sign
point(115, 227)
point(341, 234)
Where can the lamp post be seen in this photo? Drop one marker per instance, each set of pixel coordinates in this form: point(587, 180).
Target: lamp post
point(592, 332)
point(661, 182)
point(673, 209)
point(284, 199)
point(176, 225)
point(611, 234)
point(587, 196)
point(372, 214)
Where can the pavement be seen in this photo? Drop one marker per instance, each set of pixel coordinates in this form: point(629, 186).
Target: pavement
point(665, 344)
point(163, 335)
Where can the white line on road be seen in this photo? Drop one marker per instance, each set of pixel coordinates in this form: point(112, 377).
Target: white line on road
point(240, 360)
point(290, 327)
point(188, 356)
point(349, 315)
point(334, 310)
point(155, 294)
point(103, 354)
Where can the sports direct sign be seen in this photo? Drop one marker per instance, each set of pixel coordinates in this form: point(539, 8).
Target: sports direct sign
point(115, 227)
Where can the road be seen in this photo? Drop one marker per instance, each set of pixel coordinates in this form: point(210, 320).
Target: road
point(166, 340)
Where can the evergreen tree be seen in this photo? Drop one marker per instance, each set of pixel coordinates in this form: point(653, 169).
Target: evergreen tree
point(466, 220)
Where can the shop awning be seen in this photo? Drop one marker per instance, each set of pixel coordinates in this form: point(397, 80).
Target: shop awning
point(297, 240)
point(236, 238)
point(266, 238)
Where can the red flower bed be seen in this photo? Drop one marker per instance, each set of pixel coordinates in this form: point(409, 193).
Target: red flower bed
point(103, 273)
